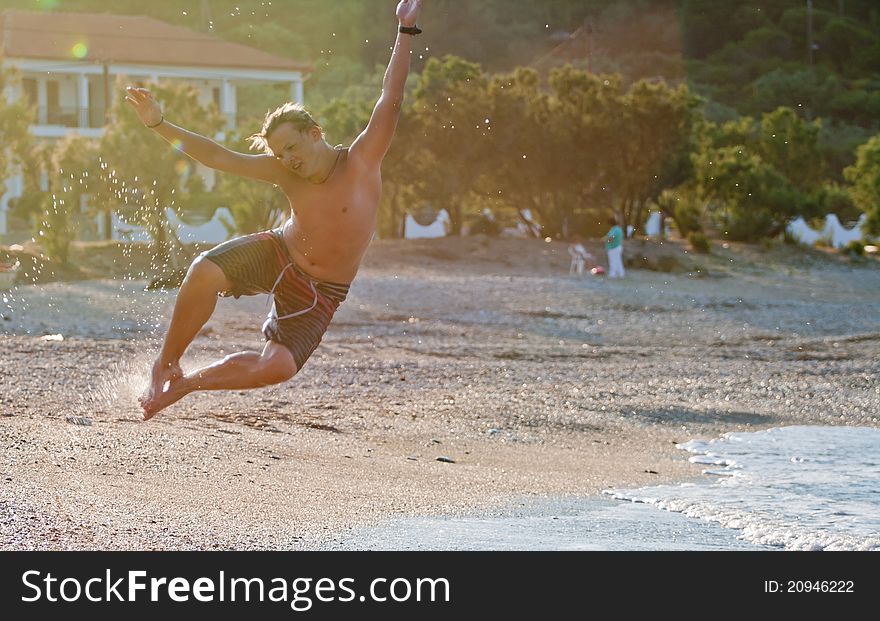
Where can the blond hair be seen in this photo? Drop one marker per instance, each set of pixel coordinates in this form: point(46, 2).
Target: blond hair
point(293, 113)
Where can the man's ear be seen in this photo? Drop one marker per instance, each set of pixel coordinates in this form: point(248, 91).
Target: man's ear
point(316, 133)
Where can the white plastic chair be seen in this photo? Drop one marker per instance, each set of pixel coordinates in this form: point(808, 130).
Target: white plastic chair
point(579, 256)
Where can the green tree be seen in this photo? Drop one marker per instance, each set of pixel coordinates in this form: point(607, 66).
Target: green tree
point(343, 119)
point(811, 89)
point(864, 176)
point(70, 181)
point(579, 147)
point(450, 115)
point(588, 145)
point(758, 61)
point(749, 198)
point(525, 163)
point(16, 142)
point(838, 143)
point(657, 131)
point(700, 20)
point(759, 175)
point(628, 145)
point(836, 199)
point(144, 172)
point(840, 39)
point(791, 145)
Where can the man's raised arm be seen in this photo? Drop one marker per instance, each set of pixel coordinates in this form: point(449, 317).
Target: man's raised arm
point(203, 150)
point(374, 141)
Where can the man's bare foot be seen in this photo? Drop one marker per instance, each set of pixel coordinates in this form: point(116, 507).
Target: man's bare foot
point(177, 389)
point(160, 375)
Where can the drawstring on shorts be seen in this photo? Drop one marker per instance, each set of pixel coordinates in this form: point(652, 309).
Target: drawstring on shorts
point(273, 314)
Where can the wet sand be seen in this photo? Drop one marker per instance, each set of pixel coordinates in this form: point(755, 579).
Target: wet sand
point(526, 381)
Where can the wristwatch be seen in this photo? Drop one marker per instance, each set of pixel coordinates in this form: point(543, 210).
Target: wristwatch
point(414, 30)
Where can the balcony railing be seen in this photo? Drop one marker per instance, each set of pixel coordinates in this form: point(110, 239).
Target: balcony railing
point(73, 116)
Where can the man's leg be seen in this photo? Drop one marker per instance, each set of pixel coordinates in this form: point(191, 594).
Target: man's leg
point(194, 306)
point(234, 372)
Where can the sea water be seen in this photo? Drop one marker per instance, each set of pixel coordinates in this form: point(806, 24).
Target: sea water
point(793, 488)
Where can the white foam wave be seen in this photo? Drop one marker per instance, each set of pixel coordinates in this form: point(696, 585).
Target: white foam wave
point(797, 488)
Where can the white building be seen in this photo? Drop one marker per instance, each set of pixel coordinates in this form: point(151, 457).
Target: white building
point(69, 64)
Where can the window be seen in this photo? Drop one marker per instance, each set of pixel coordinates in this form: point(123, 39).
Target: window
point(53, 103)
point(97, 108)
point(29, 90)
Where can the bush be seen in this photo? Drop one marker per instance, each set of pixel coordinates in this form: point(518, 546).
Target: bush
point(855, 248)
point(56, 228)
point(687, 218)
point(699, 242)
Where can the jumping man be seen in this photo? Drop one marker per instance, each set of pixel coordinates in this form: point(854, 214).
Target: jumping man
point(308, 263)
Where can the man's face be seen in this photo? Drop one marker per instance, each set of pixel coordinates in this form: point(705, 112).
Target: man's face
point(296, 150)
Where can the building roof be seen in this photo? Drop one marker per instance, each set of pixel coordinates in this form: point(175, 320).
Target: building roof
point(126, 39)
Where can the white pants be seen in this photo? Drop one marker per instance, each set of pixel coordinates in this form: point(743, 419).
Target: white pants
point(615, 263)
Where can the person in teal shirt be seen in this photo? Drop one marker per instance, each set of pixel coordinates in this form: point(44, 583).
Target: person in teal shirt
point(614, 248)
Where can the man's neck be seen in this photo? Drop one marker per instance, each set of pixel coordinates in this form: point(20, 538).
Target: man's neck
point(328, 164)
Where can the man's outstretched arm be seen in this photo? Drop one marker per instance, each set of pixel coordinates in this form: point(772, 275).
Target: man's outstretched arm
point(374, 141)
point(203, 150)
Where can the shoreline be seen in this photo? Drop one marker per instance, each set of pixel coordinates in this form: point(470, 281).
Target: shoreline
point(568, 523)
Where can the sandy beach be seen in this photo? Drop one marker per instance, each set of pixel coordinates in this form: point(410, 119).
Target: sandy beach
point(458, 375)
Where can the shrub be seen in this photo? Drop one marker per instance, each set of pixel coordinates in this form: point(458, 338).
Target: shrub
point(855, 248)
point(56, 228)
point(699, 242)
point(687, 218)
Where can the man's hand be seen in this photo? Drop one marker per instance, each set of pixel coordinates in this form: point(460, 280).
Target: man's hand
point(408, 12)
point(143, 103)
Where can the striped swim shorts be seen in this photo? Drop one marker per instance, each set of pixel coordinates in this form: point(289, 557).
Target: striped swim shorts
point(302, 306)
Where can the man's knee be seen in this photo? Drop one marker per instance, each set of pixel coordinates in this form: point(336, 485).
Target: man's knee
point(208, 274)
point(277, 365)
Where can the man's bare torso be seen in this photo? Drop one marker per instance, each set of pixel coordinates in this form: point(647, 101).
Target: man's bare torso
point(333, 222)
